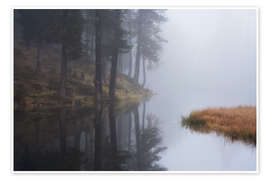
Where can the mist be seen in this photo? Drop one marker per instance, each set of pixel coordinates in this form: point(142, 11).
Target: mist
point(210, 58)
point(135, 90)
point(209, 61)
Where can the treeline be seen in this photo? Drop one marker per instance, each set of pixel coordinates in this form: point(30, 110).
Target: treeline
point(120, 41)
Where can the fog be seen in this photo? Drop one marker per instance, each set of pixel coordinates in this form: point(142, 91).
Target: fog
point(209, 60)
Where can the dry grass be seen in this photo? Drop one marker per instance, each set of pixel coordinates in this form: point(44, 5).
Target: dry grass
point(236, 123)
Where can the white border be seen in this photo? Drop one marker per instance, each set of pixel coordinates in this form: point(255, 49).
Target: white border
point(258, 74)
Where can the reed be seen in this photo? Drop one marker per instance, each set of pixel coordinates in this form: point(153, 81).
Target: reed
point(237, 123)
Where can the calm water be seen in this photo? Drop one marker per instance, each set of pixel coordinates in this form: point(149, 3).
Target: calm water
point(74, 140)
point(192, 151)
point(143, 137)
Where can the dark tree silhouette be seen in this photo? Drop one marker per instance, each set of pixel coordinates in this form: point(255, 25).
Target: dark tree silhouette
point(98, 81)
point(148, 38)
point(70, 30)
point(36, 29)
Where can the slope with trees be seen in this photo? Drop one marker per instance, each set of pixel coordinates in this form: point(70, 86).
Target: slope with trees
point(86, 56)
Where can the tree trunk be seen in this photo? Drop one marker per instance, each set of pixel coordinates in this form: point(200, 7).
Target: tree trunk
point(129, 130)
point(115, 57)
point(144, 73)
point(98, 158)
point(98, 94)
point(112, 88)
point(120, 63)
point(88, 37)
point(113, 76)
point(130, 53)
point(103, 70)
point(63, 74)
point(137, 63)
point(77, 136)
point(62, 131)
point(137, 131)
point(38, 65)
point(112, 129)
point(98, 75)
point(93, 47)
point(130, 64)
point(138, 54)
point(37, 135)
point(143, 120)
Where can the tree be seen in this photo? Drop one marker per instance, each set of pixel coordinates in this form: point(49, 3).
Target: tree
point(139, 22)
point(116, 41)
point(116, 47)
point(138, 137)
point(148, 142)
point(148, 38)
point(36, 26)
point(98, 63)
point(70, 25)
point(120, 44)
point(89, 34)
point(150, 150)
point(130, 16)
point(54, 26)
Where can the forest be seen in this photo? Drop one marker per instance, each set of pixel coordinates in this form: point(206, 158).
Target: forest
point(84, 57)
point(76, 72)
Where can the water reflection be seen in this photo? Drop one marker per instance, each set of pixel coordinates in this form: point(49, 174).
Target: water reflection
point(85, 139)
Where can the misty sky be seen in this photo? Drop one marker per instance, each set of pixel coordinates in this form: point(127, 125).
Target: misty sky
point(210, 58)
point(209, 61)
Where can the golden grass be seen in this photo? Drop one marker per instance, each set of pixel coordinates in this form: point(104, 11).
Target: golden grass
point(237, 123)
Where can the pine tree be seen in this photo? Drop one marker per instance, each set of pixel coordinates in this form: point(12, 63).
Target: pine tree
point(68, 33)
point(36, 26)
point(148, 38)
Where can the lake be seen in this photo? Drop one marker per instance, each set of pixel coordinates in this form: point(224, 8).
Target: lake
point(144, 137)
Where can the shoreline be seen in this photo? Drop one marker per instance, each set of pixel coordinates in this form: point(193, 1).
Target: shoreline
point(40, 91)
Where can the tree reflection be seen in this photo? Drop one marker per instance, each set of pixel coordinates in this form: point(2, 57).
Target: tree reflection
point(126, 142)
point(101, 139)
point(150, 149)
point(98, 138)
point(147, 143)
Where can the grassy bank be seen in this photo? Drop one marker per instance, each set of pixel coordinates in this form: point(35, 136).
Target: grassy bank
point(40, 91)
point(236, 123)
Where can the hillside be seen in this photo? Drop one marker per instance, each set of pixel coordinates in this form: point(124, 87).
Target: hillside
point(40, 91)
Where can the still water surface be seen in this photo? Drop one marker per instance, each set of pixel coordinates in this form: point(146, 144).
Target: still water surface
point(144, 137)
point(193, 151)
